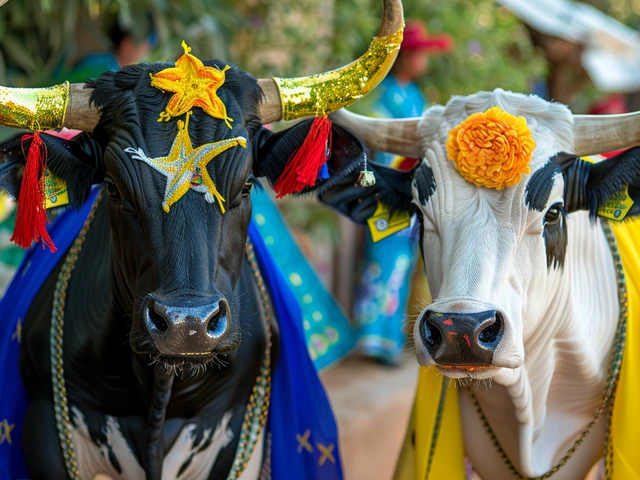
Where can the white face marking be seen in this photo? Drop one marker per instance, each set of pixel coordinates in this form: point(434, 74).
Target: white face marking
point(192, 332)
point(484, 249)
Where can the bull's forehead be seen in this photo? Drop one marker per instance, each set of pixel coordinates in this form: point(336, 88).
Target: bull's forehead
point(551, 127)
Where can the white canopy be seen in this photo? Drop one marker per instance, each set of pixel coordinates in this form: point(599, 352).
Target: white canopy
point(611, 49)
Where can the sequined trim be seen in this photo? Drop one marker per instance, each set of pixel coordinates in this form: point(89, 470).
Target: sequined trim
point(34, 108)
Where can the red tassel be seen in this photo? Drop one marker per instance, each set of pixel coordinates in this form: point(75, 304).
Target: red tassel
point(305, 163)
point(31, 214)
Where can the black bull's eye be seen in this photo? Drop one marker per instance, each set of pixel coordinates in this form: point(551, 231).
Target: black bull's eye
point(112, 191)
point(246, 190)
point(553, 215)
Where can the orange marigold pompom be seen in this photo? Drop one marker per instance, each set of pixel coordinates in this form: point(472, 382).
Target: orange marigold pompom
point(491, 149)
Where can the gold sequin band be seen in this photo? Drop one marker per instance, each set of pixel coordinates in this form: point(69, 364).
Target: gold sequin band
point(34, 108)
point(327, 92)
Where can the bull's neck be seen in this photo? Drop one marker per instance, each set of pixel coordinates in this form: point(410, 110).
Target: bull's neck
point(555, 393)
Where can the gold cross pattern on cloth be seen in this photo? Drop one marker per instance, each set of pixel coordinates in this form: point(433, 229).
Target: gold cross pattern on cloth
point(5, 431)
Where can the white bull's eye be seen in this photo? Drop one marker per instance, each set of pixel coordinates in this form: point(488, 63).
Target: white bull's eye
point(553, 215)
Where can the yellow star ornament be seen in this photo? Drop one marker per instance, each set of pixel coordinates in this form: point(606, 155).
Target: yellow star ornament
point(186, 167)
point(192, 85)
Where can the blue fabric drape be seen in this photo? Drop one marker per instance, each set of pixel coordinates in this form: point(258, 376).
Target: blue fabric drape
point(328, 333)
point(303, 430)
point(35, 268)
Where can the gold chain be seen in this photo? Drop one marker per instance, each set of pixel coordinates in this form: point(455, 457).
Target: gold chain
point(60, 404)
point(613, 372)
point(259, 400)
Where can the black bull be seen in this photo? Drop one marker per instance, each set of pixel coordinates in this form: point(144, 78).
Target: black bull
point(137, 257)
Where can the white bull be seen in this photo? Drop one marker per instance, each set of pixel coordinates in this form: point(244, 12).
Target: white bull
point(524, 284)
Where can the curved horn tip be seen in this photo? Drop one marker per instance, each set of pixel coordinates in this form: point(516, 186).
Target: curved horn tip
point(392, 18)
point(594, 134)
point(326, 92)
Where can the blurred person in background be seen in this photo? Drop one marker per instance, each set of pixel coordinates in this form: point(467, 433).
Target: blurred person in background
point(385, 276)
point(609, 105)
point(126, 49)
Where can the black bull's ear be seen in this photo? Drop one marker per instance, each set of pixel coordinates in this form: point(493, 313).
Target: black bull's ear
point(340, 190)
point(77, 161)
point(589, 186)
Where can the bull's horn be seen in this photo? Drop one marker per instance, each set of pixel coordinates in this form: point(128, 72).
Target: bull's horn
point(397, 136)
point(290, 98)
point(593, 134)
point(52, 107)
point(605, 133)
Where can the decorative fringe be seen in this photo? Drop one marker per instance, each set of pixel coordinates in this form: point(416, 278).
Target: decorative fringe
point(305, 164)
point(31, 214)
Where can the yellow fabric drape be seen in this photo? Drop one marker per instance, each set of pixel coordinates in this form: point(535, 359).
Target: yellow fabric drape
point(625, 422)
point(448, 461)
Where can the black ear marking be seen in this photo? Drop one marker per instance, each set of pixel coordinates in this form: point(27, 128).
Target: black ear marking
point(539, 187)
point(611, 176)
point(425, 182)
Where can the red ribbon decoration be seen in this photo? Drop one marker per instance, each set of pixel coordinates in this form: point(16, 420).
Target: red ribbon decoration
point(31, 213)
point(304, 165)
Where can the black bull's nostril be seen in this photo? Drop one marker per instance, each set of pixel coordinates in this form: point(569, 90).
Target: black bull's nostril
point(462, 339)
point(186, 325)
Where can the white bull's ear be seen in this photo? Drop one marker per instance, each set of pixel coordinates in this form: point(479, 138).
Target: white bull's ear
point(392, 187)
point(596, 187)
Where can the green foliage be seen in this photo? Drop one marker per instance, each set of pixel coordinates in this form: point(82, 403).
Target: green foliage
point(40, 37)
point(492, 49)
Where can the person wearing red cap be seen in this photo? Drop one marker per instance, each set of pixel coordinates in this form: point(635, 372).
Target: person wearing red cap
point(384, 287)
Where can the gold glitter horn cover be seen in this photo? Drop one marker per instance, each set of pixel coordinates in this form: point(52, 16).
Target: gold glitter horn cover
point(64, 105)
point(321, 94)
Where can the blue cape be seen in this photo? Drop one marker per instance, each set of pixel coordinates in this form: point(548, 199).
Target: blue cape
point(303, 429)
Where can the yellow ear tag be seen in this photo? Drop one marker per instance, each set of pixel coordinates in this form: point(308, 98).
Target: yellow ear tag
point(617, 206)
point(55, 190)
point(382, 224)
point(620, 202)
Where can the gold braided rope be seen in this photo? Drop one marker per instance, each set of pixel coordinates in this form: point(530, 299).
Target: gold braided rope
point(259, 400)
point(613, 372)
point(60, 404)
point(258, 407)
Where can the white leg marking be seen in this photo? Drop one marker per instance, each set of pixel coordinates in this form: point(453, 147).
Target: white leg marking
point(201, 462)
point(93, 460)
